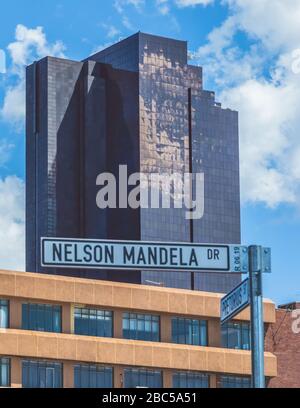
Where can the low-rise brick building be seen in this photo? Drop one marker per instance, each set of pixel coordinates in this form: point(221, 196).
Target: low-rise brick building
point(283, 339)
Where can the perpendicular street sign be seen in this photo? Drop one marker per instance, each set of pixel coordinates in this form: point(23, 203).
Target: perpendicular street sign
point(235, 301)
point(110, 254)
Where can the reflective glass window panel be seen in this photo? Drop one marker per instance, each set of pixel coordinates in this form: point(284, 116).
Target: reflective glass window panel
point(41, 374)
point(40, 317)
point(4, 372)
point(93, 322)
point(189, 331)
point(235, 382)
point(141, 327)
point(190, 380)
point(93, 376)
point(4, 314)
point(236, 335)
point(142, 378)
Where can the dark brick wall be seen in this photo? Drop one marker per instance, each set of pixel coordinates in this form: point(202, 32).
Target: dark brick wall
point(285, 344)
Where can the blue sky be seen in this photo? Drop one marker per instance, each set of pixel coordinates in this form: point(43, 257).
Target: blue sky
point(249, 50)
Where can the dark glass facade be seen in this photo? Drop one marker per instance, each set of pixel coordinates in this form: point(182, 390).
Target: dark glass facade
point(235, 382)
point(141, 327)
point(4, 372)
point(189, 331)
point(41, 374)
point(190, 380)
point(236, 335)
point(41, 317)
point(82, 120)
point(148, 110)
point(93, 322)
point(93, 376)
point(4, 314)
point(182, 129)
point(135, 378)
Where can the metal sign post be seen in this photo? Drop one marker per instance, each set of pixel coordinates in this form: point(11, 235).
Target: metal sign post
point(259, 262)
point(257, 321)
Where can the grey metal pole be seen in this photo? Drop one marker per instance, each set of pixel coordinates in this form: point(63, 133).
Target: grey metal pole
point(257, 321)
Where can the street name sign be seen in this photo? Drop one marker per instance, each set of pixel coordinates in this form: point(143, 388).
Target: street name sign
point(131, 255)
point(235, 301)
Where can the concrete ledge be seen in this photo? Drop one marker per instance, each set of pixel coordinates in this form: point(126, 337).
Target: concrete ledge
point(42, 287)
point(67, 347)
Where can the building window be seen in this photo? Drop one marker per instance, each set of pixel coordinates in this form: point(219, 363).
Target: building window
point(45, 318)
point(140, 378)
point(41, 374)
point(141, 327)
point(236, 335)
point(4, 314)
point(190, 380)
point(93, 376)
point(189, 331)
point(234, 382)
point(93, 322)
point(4, 372)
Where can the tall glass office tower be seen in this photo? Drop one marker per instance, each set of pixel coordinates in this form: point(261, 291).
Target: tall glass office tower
point(138, 103)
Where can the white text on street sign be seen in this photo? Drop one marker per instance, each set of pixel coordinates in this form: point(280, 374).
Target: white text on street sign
point(235, 301)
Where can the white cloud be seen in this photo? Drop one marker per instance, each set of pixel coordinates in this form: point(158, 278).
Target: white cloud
point(5, 152)
point(127, 23)
point(269, 126)
point(163, 7)
point(111, 30)
point(275, 23)
point(29, 44)
point(2, 62)
point(188, 3)
point(121, 4)
point(12, 224)
point(259, 82)
point(13, 109)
